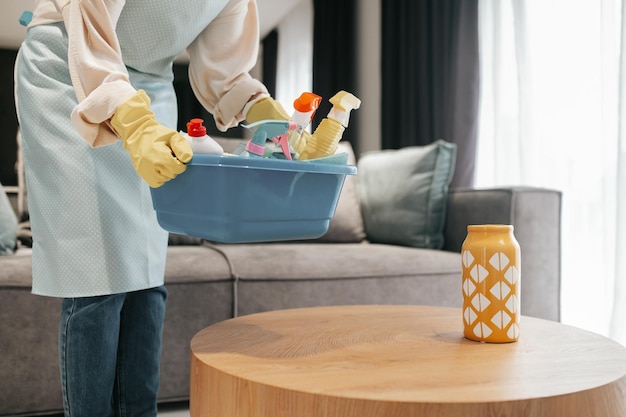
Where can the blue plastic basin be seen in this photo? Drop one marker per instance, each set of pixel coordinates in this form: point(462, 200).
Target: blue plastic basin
point(233, 199)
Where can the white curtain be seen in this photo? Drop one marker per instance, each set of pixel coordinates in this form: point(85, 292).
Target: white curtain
point(294, 69)
point(618, 325)
point(550, 117)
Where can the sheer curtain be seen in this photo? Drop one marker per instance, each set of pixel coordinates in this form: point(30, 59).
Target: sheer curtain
point(295, 54)
point(618, 324)
point(550, 117)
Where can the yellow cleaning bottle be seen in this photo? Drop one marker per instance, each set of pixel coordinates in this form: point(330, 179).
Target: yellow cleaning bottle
point(324, 140)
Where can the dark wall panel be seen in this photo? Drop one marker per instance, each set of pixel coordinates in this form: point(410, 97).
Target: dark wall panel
point(8, 119)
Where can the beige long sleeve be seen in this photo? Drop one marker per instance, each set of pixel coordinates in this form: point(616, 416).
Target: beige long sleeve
point(220, 60)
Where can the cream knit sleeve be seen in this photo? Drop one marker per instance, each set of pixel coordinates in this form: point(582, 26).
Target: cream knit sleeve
point(220, 60)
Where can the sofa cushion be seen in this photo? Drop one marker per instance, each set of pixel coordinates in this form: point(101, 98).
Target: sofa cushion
point(8, 225)
point(404, 192)
point(346, 226)
point(291, 275)
point(303, 261)
point(190, 264)
point(17, 269)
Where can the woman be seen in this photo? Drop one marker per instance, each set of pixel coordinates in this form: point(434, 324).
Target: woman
point(97, 114)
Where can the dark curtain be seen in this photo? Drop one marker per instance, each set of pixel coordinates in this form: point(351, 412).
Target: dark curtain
point(430, 77)
point(189, 107)
point(270, 61)
point(334, 58)
point(8, 121)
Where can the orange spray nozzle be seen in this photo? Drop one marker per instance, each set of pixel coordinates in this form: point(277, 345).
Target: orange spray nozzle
point(307, 102)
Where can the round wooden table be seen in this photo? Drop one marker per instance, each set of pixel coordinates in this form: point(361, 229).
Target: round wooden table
point(406, 361)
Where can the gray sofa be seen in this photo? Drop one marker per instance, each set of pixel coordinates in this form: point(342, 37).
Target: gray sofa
point(210, 282)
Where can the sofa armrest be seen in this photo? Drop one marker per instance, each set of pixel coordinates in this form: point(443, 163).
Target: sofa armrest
point(535, 214)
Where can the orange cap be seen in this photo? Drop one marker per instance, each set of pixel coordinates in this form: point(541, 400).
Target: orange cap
point(307, 102)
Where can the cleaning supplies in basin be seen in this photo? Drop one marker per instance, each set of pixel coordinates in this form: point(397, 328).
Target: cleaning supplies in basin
point(324, 140)
point(254, 194)
point(200, 142)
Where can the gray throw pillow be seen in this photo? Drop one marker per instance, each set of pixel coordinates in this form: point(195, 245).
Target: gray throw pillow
point(404, 194)
point(8, 225)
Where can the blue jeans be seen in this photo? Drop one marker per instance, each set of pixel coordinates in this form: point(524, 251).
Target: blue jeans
point(109, 353)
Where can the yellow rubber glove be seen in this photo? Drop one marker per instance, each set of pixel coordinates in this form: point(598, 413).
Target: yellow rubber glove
point(266, 109)
point(158, 153)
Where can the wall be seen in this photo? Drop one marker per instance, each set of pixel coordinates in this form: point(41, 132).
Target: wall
point(369, 82)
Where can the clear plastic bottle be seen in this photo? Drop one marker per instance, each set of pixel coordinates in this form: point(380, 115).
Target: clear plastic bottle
point(305, 107)
point(200, 142)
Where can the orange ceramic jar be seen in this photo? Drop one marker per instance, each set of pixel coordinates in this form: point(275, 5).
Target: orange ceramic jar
point(491, 284)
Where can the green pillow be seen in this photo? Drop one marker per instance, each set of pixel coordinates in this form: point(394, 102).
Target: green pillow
point(404, 194)
point(8, 225)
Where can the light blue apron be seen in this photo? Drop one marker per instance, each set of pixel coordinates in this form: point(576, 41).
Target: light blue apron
point(94, 229)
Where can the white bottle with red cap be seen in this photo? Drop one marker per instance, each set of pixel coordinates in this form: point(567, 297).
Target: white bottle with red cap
point(200, 142)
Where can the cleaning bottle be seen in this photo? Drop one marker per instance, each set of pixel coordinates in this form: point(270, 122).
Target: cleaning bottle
point(305, 107)
point(324, 140)
point(275, 130)
point(200, 142)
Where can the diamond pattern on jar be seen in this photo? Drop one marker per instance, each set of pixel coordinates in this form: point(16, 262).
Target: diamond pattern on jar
point(490, 259)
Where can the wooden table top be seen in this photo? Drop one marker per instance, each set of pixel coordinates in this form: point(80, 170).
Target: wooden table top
point(367, 361)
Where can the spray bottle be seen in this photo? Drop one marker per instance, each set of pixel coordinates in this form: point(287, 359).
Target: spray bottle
point(276, 130)
point(324, 140)
point(305, 107)
point(198, 139)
